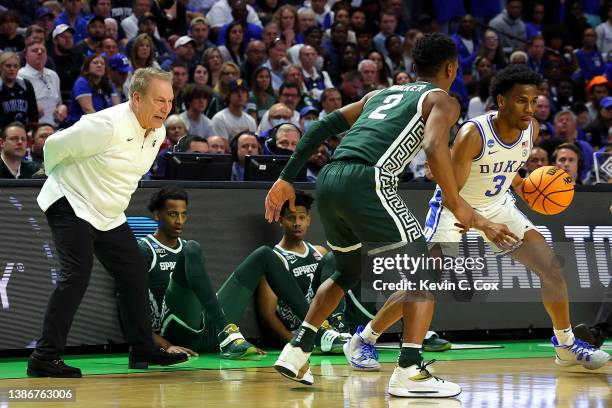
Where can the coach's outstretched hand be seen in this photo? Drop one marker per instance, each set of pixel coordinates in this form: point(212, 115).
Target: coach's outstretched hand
point(280, 192)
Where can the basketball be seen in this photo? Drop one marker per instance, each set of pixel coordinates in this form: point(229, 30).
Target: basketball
point(548, 190)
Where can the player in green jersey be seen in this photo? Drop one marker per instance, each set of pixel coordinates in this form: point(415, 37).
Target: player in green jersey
point(185, 312)
point(358, 201)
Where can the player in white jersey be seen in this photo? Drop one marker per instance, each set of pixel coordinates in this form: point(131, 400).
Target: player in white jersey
point(486, 156)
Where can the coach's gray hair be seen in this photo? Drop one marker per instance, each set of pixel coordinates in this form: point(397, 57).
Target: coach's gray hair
point(142, 77)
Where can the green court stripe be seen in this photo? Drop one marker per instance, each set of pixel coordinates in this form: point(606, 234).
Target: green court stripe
point(101, 364)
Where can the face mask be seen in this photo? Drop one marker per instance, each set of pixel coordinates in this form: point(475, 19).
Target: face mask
point(279, 121)
point(307, 124)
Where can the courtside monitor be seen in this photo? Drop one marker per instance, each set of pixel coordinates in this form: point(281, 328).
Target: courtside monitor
point(198, 166)
point(267, 168)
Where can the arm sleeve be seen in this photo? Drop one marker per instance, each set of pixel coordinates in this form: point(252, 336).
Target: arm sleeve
point(81, 88)
point(92, 134)
point(317, 133)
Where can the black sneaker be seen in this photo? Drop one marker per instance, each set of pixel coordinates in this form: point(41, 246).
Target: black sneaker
point(142, 360)
point(51, 368)
point(596, 335)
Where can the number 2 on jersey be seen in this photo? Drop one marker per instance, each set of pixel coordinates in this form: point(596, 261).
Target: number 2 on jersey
point(389, 102)
point(500, 182)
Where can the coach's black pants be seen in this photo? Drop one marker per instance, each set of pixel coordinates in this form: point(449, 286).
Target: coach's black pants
point(76, 242)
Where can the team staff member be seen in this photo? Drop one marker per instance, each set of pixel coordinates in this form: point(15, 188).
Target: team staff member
point(93, 168)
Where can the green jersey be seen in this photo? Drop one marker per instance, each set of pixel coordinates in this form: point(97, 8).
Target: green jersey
point(161, 262)
point(302, 267)
point(389, 131)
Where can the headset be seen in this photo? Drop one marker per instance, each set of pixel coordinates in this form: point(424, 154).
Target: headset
point(269, 144)
point(234, 143)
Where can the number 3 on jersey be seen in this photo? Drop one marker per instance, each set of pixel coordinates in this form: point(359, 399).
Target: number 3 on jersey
point(389, 102)
point(500, 182)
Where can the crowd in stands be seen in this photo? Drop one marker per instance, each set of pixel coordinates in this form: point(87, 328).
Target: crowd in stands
point(250, 76)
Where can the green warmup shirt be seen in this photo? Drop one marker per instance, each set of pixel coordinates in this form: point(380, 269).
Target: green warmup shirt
point(302, 266)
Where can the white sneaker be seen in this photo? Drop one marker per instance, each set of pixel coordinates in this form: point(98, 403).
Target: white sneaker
point(416, 382)
point(331, 342)
point(361, 355)
point(580, 352)
point(293, 364)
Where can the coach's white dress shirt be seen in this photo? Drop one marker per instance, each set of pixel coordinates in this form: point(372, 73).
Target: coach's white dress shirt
point(97, 164)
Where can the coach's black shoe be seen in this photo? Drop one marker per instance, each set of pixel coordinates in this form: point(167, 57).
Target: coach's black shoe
point(596, 335)
point(51, 368)
point(142, 360)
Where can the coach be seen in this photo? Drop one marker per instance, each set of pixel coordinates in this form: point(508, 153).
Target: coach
point(93, 168)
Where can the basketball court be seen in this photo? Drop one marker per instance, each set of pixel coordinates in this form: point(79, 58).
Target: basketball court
point(517, 374)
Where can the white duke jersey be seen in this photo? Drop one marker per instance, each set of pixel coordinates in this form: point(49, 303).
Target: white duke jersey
point(492, 172)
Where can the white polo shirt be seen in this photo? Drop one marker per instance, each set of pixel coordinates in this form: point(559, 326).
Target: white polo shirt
point(46, 88)
point(97, 164)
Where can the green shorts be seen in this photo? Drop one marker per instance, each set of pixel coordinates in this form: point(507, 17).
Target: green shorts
point(359, 203)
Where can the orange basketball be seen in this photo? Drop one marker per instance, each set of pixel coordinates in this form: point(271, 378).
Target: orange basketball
point(548, 190)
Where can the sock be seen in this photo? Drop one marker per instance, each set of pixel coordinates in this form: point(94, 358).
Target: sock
point(368, 335)
point(410, 354)
point(564, 336)
point(304, 337)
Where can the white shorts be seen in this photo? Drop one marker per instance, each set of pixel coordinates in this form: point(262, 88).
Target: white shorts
point(440, 223)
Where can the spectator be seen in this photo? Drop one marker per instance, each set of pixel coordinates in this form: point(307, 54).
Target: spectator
point(100, 8)
point(492, 49)
point(597, 132)
point(217, 145)
point(229, 72)
point(130, 24)
point(261, 97)
point(10, 40)
point(316, 162)
point(233, 120)
point(147, 24)
point(323, 14)
point(567, 156)
point(286, 18)
point(279, 113)
point(400, 78)
point(312, 37)
point(282, 140)
point(542, 112)
point(538, 158)
point(46, 85)
point(365, 43)
point(197, 98)
point(566, 131)
point(13, 144)
point(367, 69)
point(67, 62)
point(576, 23)
point(467, 42)
point(582, 117)
point(213, 59)
point(180, 76)
point(519, 57)
point(143, 53)
point(534, 27)
point(109, 47)
point(221, 14)
point(395, 55)
point(111, 30)
point(200, 29)
point(293, 74)
point(92, 91)
point(72, 16)
point(315, 81)
point(358, 18)
point(175, 131)
point(604, 33)
point(308, 115)
point(118, 70)
point(183, 52)
point(510, 27)
point(331, 100)
point(95, 34)
point(277, 60)
point(564, 94)
point(598, 89)
point(388, 24)
point(196, 144)
point(482, 102)
point(200, 75)
point(334, 50)
point(342, 15)
point(242, 145)
point(351, 87)
point(17, 97)
point(383, 77)
point(306, 19)
point(35, 34)
point(233, 48)
point(270, 33)
point(255, 56)
point(250, 31)
point(39, 135)
point(44, 19)
point(536, 51)
point(589, 59)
